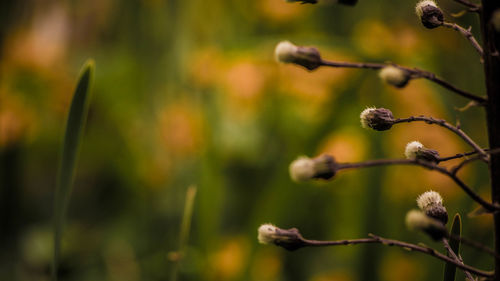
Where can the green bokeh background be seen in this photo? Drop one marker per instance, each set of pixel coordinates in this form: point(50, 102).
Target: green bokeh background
point(188, 92)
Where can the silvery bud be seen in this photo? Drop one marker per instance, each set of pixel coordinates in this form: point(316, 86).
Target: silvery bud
point(431, 203)
point(394, 76)
point(429, 13)
point(379, 119)
point(305, 169)
point(307, 57)
point(289, 239)
point(416, 150)
point(417, 220)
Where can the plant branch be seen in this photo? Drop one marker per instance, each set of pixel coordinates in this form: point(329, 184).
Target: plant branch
point(471, 6)
point(383, 162)
point(414, 72)
point(467, 34)
point(443, 123)
point(456, 258)
point(476, 245)
point(291, 239)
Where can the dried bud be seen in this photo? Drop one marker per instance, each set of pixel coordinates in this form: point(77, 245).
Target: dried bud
point(348, 2)
point(429, 13)
point(394, 76)
point(303, 1)
point(321, 167)
point(431, 203)
point(379, 119)
point(417, 220)
point(307, 57)
point(495, 20)
point(416, 150)
point(289, 239)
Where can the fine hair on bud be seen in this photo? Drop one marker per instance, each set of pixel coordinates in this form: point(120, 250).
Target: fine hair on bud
point(394, 76)
point(431, 203)
point(308, 57)
point(418, 221)
point(379, 119)
point(305, 169)
point(416, 150)
point(429, 13)
point(289, 239)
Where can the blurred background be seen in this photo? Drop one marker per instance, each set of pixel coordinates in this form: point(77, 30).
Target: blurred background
point(188, 92)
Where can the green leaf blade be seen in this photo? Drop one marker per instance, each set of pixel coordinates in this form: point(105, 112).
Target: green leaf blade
point(71, 145)
point(456, 231)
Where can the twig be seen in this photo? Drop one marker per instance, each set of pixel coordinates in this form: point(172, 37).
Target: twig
point(414, 72)
point(476, 245)
point(291, 239)
point(456, 258)
point(467, 34)
point(442, 123)
point(383, 162)
point(472, 7)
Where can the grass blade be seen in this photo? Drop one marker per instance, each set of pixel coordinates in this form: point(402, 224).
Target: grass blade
point(72, 138)
point(456, 231)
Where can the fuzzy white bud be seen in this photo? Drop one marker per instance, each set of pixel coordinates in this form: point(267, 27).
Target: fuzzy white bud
point(428, 199)
point(429, 14)
point(394, 76)
point(302, 169)
point(267, 233)
point(418, 221)
point(379, 119)
point(308, 57)
point(412, 148)
point(285, 52)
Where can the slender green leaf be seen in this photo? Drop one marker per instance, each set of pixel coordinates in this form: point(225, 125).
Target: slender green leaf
point(456, 231)
point(72, 138)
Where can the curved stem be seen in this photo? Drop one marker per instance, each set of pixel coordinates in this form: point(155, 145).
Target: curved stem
point(467, 34)
point(444, 124)
point(382, 162)
point(390, 242)
point(472, 7)
point(414, 72)
point(456, 258)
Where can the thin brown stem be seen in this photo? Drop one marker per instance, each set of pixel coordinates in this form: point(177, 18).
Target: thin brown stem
point(471, 6)
point(454, 256)
point(383, 162)
point(475, 245)
point(396, 243)
point(467, 34)
point(414, 73)
point(444, 124)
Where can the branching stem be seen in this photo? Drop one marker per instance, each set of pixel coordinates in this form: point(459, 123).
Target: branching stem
point(443, 123)
point(454, 256)
point(414, 72)
point(467, 34)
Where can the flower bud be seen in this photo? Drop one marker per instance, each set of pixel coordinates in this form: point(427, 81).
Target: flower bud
point(416, 150)
point(495, 20)
point(307, 57)
point(379, 119)
point(417, 220)
point(321, 167)
point(429, 13)
point(289, 239)
point(394, 76)
point(431, 203)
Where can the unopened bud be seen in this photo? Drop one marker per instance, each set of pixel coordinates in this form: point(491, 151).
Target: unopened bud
point(495, 20)
point(429, 13)
point(417, 220)
point(394, 76)
point(416, 150)
point(289, 239)
point(431, 203)
point(379, 119)
point(307, 57)
point(321, 167)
